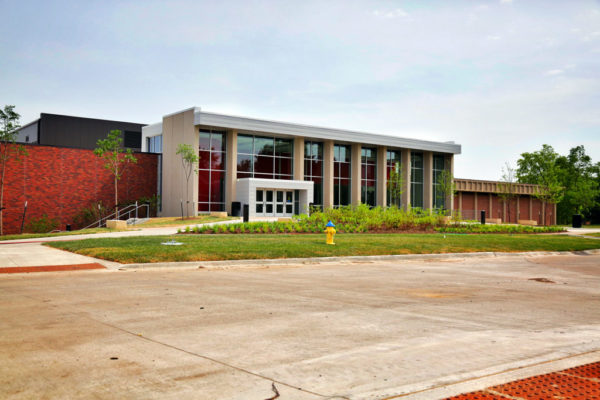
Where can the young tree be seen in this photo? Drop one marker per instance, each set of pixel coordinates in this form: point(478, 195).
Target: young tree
point(395, 185)
point(115, 159)
point(446, 187)
point(189, 159)
point(579, 178)
point(9, 123)
point(508, 187)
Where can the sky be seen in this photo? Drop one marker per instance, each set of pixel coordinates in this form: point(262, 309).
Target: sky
point(499, 77)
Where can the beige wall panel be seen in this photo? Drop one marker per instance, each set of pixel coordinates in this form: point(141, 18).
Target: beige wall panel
point(450, 197)
point(230, 169)
point(381, 176)
point(178, 129)
point(427, 180)
point(406, 177)
point(355, 174)
point(299, 159)
point(328, 174)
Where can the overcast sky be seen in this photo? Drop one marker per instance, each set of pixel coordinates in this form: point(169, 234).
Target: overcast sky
point(499, 77)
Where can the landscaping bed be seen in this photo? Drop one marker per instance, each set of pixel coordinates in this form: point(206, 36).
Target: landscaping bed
point(362, 219)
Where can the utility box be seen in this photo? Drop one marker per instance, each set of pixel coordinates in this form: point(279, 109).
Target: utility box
point(577, 220)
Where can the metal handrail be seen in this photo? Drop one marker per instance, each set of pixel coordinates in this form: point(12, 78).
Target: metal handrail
point(127, 210)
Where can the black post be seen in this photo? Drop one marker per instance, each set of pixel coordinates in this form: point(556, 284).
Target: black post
point(181, 202)
point(23, 221)
point(246, 212)
point(482, 217)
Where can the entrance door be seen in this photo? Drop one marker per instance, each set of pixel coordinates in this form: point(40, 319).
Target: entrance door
point(274, 203)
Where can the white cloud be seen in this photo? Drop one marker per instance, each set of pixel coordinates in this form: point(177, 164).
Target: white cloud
point(506, 1)
point(554, 72)
point(398, 12)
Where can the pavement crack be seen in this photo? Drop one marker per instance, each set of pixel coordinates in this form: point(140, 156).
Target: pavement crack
point(274, 389)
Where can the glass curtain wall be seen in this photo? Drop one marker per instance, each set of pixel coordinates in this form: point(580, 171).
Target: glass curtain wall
point(313, 169)
point(154, 144)
point(211, 171)
point(264, 157)
point(439, 164)
point(416, 179)
point(393, 163)
point(368, 180)
point(341, 175)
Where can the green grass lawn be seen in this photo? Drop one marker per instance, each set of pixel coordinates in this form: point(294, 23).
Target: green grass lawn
point(240, 247)
point(177, 221)
point(62, 233)
point(595, 234)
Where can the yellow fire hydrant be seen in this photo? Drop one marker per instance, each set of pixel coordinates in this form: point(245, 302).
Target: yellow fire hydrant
point(330, 231)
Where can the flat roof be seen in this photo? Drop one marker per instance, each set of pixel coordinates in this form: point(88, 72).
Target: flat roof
point(254, 125)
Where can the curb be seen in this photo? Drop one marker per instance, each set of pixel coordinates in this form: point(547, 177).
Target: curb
point(227, 264)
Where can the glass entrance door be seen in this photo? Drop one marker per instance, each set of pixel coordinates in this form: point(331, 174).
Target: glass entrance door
point(274, 203)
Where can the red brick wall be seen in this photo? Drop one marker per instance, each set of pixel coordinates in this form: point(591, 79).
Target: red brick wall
point(62, 181)
point(468, 204)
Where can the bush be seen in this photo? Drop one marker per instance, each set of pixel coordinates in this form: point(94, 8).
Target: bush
point(43, 224)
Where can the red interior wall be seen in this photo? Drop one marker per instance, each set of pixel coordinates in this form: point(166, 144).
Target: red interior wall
point(60, 182)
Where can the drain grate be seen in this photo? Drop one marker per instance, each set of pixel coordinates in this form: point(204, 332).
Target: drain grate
point(578, 383)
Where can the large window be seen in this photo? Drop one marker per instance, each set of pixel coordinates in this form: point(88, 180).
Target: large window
point(394, 163)
point(313, 169)
point(154, 144)
point(416, 179)
point(264, 157)
point(368, 179)
point(439, 198)
point(341, 175)
point(211, 171)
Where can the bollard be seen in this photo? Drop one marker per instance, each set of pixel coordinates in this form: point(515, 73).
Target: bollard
point(330, 231)
point(246, 212)
point(482, 217)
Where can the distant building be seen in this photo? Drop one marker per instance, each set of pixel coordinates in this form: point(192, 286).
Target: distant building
point(77, 132)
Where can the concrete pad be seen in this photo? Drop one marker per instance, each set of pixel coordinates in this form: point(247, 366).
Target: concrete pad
point(360, 330)
point(35, 254)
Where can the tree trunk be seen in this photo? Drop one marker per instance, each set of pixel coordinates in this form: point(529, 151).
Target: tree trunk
point(116, 199)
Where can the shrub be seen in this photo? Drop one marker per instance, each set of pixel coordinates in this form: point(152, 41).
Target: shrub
point(42, 224)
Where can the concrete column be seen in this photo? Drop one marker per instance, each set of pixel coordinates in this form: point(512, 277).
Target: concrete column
point(554, 215)
point(406, 178)
point(355, 174)
point(504, 211)
point(178, 129)
point(460, 202)
point(475, 203)
point(491, 203)
point(299, 158)
point(382, 176)
point(428, 180)
point(518, 210)
point(450, 167)
point(328, 174)
point(230, 169)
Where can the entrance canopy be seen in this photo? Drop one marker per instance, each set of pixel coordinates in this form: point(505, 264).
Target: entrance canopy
point(274, 197)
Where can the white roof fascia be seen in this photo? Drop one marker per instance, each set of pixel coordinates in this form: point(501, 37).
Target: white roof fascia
point(152, 130)
point(286, 128)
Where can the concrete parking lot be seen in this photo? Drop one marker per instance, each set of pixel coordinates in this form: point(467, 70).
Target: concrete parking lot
point(422, 329)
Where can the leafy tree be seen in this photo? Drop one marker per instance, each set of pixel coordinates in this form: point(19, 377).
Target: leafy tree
point(9, 123)
point(580, 179)
point(189, 159)
point(508, 187)
point(541, 168)
point(115, 159)
point(395, 185)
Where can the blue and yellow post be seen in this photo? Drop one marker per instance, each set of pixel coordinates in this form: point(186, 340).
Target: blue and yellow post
point(330, 231)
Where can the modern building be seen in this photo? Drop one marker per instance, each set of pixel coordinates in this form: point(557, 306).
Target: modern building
point(280, 168)
point(77, 132)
